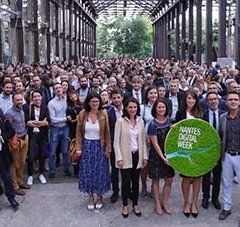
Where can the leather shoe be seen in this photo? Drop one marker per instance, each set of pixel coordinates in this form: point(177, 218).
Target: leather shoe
point(13, 203)
point(114, 198)
point(1, 190)
point(187, 214)
point(138, 214)
point(216, 204)
point(125, 215)
point(224, 214)
point(19, 192)
point(25, 186)
point(205, 203)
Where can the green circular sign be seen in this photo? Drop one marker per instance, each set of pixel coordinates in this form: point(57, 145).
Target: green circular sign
point(192, 147)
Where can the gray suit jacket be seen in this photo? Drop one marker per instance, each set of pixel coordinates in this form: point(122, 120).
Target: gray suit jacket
point(223, 132)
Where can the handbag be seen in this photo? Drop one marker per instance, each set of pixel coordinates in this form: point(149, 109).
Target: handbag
point(14, 143)
point(73, 156)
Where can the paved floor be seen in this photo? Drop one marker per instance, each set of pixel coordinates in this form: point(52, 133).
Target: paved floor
point(62, 205)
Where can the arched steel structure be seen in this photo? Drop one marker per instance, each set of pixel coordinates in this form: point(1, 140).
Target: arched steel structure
point(184, 20)
point(33, 30)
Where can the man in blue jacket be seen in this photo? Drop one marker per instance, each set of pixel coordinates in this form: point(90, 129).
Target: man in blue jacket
point(114, 113)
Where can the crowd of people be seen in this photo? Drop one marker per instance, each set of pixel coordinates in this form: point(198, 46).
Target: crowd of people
point(117, 113)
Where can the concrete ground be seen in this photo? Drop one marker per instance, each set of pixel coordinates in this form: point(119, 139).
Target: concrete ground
point(62, 205)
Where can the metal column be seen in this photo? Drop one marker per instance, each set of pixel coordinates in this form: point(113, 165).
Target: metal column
point(208, 50)
point(64, 30)
point(47, 4)
point(16, 24)
point(57, 30)
point(199, 32)
point(75, 33)
point(190, 31)
point(177, 34)
point(183, 49)
point(70, 28)
point(222, 28)
point(35, 30)
point(237, 39)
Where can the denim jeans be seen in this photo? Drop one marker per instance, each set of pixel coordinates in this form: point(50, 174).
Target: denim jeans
point(58, 135)
point(229, 165)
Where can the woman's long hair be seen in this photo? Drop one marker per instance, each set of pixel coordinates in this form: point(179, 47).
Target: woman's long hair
point(196, 110)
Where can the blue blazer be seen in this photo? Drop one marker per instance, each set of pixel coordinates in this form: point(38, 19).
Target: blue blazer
point(112, 121)
point(206, 116)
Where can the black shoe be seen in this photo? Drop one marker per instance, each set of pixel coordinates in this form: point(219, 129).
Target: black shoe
point(125, 215)
point(216, 204)
point(195, 215)
point(14, 204)
point(1, 190)
point(51, 175)
point(67, 172)
point(224, 214)
point(114, 198)
point(187, 214)
point(205, 203)
point(138, 214)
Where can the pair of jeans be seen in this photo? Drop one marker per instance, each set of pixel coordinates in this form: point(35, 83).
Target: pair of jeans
point(130, 182)
point(229, 165)
point(58, 135)
point(37, 146)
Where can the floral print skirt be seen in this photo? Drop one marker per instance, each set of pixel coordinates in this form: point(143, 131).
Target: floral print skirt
point(94, 174)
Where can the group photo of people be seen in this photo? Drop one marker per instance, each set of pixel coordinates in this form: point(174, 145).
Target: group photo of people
point(105, 123)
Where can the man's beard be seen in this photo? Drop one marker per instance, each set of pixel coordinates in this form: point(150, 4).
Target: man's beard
point(83, 86)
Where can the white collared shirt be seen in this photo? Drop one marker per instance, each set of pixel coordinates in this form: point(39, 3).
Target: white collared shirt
point(175, 108)
point(6, 102)
point(133, 134)
point(118, 113)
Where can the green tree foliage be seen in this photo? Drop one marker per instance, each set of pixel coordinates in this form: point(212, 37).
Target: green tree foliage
point(128, 38)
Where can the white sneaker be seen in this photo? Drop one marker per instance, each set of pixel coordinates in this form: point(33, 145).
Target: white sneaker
point(42, 179)
point(30, 180)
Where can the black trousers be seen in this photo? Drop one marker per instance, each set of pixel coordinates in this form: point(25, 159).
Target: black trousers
point(8, 183)
point(37, 146)
point(114, 174)
point(130, 182)
point(216, 171)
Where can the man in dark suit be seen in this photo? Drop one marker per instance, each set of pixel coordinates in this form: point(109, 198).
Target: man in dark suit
point(114, 113)
point(6, 160)
point(212, 116)
point(137, 90)
point(175, 97)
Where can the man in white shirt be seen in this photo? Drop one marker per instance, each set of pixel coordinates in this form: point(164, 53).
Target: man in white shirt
point(6, 97)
